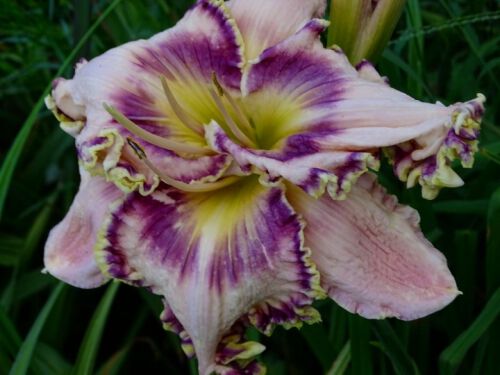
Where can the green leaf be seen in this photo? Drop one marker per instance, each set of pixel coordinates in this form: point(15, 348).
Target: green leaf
point(47, 360)
point(9, 339)
point(344, 358)
point(10, 250)
point(17, 148)
point(493, 248)
point(402, 363)
point(474, 207)
point(25, 354)
point(451, 357)
point(31, 283)
point(416, 48)
point(359, 332)
point(113, 365)
point(317, 338)
point(37, 232)
point(90, 344)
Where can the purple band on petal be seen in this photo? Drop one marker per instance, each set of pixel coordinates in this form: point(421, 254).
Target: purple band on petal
point(299, 162)
point(203, 54)
point(291, 69)
point(216, 258)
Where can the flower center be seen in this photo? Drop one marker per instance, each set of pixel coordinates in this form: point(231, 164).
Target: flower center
point(223, 99)
point(237, 125)
point(236, 122)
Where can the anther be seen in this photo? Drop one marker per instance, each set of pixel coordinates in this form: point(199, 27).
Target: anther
point(192, 188)
point(138, 150)
point(150, 137)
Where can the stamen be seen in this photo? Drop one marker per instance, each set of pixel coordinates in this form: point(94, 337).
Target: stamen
point(239, 113)
point(192, 188)
point(229, 121)
point(149, 118)
point(150, 137)
point(179, 112)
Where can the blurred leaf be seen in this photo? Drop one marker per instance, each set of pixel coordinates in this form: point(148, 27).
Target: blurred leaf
point(402, 363)
point(342, 361)
point(47, 360)
point(317, 338)
point(113, 364)
point(90, 345)
point(36, 232)
point(416, 48)
point(464, 264)
point(10, 249)
point(9, 339)
point(475, 207)
point(493, 248)
point(450, 359)
point(31, 283)
point(359, 334)
point(17, 148)
point(25, 354)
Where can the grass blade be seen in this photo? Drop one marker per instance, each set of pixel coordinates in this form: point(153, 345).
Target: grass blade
point(452, 356)
point(16, 149)
point(317, 339)
point(25, 354)
point(340, 365)
point(9, 339)
point(90, 345)
point(492, 251)
point(359, 332)
point(402, 363)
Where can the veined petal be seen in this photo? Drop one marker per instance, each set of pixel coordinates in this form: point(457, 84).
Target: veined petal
point(372, 256)
point(215, 257)
point(69, 254)
point(162, 86)
point(264, 23)
point(335, 171)
point(299, 92)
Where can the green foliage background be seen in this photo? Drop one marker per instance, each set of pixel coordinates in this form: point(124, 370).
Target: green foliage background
point(442, 50)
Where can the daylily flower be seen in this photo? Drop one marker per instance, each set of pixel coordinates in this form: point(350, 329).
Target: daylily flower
point(225, 166)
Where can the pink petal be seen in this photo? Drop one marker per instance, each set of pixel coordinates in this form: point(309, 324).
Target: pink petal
point(69, 250)
point(372, 256)
point(216, 258)
point(129, 77)
point(264, 23)
point(304, 98)
point(334, 171)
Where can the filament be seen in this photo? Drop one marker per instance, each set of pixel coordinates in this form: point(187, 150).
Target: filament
point(150, 137)
point(229, 121)
point(179, 112)
point(239, 113)
point(192, 188)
